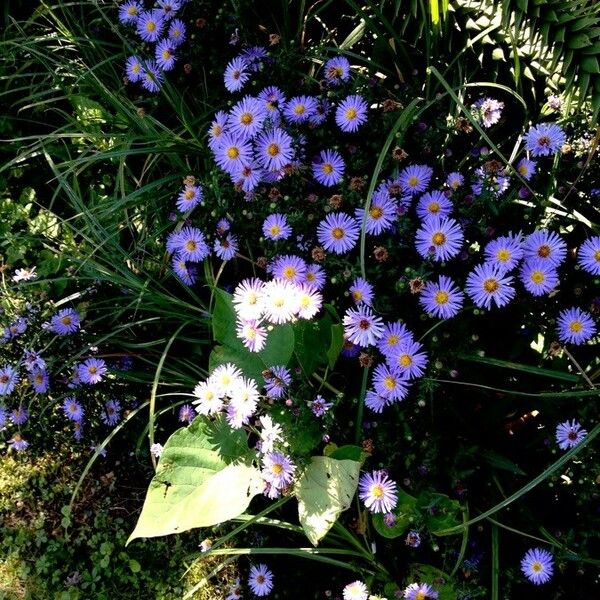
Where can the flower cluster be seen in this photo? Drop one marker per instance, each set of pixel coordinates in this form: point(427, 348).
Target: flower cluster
point(160, 27)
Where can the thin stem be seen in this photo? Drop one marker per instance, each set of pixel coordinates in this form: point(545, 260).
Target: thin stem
point(361, 406)
point(579, 368)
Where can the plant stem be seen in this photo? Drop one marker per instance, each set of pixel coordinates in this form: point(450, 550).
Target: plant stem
point(361, 406)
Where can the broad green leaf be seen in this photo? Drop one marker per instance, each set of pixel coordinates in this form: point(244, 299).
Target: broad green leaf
point(439, 511)
point(223, 320)
point(337, 343)
point(500, 462)
point(312, 338)
point(249, 362)
point(405, 514)
point(279, 347)
point(325, 489)
point(348, 452)
point(197, 484)
point(303, 432)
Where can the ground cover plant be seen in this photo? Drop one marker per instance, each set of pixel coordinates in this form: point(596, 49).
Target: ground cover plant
point(358, 266)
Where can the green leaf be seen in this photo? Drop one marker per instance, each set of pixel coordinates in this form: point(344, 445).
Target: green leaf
point(197, 484)
point(311, 340)
point(325, 489)
point(405, 514)
point(250, 363)
point(337, 343)
point(349, 452)
point(223, 320)
point(303, 432)
point(135, 566)
point(439, 511)
point(279, 347)
point(501, 462)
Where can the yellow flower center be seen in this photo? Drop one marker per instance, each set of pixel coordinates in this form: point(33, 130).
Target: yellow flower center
point(438, 238)
point(357, 295)
point(189, 194)
point(337, 233)
point(166, 54)
point(246, 118)
point(389, 382)
point(441, 297)
point(503, 255)
point(273, 149)
point(135, 68)
point(150, 26)
point(217, 130)
point(275, 230)
point(260, 579)
point(434, 207)
point(327, 168)
point(233, 152)
point(376, 212)
point(299, 109)
point(538, 277)
point(176, 33)
point(412, 181)
point(277, 468)
point(537, 566)
point(523, 170)
point(310, 276)
point(39, 379)
point(377, 491)
point(190, 245)
point(393, 340)
point(66, 320)
point(597, 256)
point(490, 285)
point(132, 11)
point(420, 595)
point(289, 272)
point(279, 302)
point(92, 370)
point(405, 360)
point(351, 114)
point(576, 326)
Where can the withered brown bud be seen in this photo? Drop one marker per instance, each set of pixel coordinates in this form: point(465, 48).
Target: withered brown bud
point(318, 254)
point(368, 446)
point(416, 285)
point(336, 201)
point(141, 111)
point(390, 105)
point(274, 39)
point(380, 253)
point(274, 193)
point(462, 124)
point(357, 183)
point(365, 360)
point(189, 180)
point(261, 262)
point(200, 23)
point(187, 68)
point(492, 166)
point(399, 154)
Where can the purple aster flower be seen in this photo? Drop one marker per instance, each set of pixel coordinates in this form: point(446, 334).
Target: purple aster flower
point(569, 434)
point(19, 415)
point(216, 130)
point(72, 409)
point(526, 168)
point(328, 170)
point(189, 197)
point(191, 245)
point(575, 326)
point(39, 380)
point(248, 176)
point(320, 406)
point(129, 12)
point(152, 76)
point(439, 238)
point(3, 417)
point(487, 285)
point(489, 111)
point(413, 539)
point(495, 183)
point(246, 118)
point(434, 203)
point(338, 232)
point(289, 268)
point(32, 360)
point(78, 430)
point(165, 55)
point(92, 370)
point(275, 227)
point(233, 153)
point(273, 99)
point(236, 74)
point(277, 380)
point(314, 277)
point(415, 178)
point(112, 412)
point(392, 336)
point(375, 402)
point(442, 298)
point(321, 111)
point(274, 149)
point(390, 383)
point(185, 271)
point(351, 113)
point(176, 33)
point(455, 180)
point(223, 226)
point(260, 580)
point(186, 413)
point(65, 322)
point(589, 255)
point(18, 443)
point(278, 469)
point(545, 245)
point(362, 327)
point(378, 491)
point(420, 591)
point(539, 277)
point(408, 360)
point(226, 248)
point(300, 109)
point(362, 291)
point(544, 139)
point(254, 57)
point(537, 565)
point(253, 336)
point(9, 377)
point(382, 214)
point(505, 252)
point(357, 590)
point(133, 69)
point(150, 24)
point(170, 7)
point(337, 70)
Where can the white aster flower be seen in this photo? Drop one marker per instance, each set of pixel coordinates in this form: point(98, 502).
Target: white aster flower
point(248, 299)
point(271, 433)
point(210, 400)
point(244, 397)
point(225, 378)
point(281, 302)
point(310, 301)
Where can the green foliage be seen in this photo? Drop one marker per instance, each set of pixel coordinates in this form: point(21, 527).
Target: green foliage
point(405, 515)
point(202, 479)
point(324, 491)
